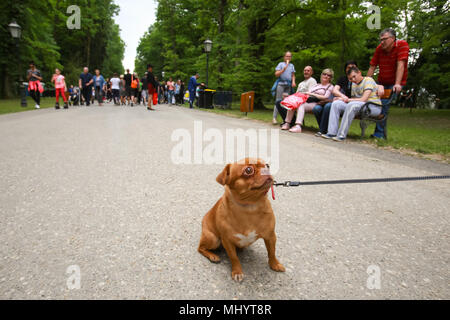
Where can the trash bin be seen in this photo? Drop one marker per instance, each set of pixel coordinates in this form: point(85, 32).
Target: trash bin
point(223, 99)
point(205, 98)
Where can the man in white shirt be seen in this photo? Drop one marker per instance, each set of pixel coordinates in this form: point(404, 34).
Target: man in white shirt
point(309, 81)
point(303, 87)
point(115, 87)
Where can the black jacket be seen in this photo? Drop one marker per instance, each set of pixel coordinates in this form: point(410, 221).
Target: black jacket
point(151, 79)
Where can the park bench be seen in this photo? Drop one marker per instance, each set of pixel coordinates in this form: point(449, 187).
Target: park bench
point(364, 113)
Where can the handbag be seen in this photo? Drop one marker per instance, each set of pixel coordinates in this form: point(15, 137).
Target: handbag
point(294, 101)
point(134, 83)
point(312, 99)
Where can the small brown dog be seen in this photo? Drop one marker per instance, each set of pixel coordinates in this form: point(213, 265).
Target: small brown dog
point(242, 215)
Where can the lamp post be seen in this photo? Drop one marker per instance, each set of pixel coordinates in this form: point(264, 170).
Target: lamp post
point(208, 46)
point(16, 33)
point(162, 73)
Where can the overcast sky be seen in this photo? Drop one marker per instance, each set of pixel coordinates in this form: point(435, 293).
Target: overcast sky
point(134, 18)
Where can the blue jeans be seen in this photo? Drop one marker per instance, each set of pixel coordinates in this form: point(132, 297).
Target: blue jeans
point(379, 128)
point(170, 94)
point(322, 114)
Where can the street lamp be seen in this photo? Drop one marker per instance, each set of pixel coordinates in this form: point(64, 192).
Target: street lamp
point(16, 33)
point(208, 46)
point(162, 73)
point(15, 29)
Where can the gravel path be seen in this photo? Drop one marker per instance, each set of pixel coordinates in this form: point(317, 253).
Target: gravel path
point(96, 188)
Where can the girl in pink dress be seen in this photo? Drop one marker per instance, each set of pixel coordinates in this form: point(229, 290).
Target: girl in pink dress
point(60, 88)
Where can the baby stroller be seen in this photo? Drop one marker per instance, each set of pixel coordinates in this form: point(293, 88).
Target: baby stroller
point(75, 97)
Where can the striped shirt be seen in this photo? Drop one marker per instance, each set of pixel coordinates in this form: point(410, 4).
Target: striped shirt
point(388, 62)
point(367, 83)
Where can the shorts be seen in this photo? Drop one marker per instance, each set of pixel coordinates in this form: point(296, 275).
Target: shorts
point(128, 91)
point(144, 94)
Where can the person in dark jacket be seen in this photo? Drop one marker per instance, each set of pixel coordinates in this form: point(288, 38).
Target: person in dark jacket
point(152, 86)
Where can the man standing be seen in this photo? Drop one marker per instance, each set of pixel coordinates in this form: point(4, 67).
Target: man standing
point(192, 86)
point(85, 83)
point(152, 86)
point(144, 92)
point(34, 84)
point(115, 87)
point(391, 56)
point(127, 78)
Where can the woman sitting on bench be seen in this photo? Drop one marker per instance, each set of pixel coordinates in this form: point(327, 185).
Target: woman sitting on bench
point(320, 91)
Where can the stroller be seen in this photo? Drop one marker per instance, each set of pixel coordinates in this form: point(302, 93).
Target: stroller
point(75, 97)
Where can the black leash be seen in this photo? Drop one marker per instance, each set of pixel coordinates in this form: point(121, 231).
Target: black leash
point(312, 183)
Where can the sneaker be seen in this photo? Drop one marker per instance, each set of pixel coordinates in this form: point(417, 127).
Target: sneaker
point(297, 129)
point(37, 106)
point(66, 106)
point(285, 126)
point(328, 136)
point(274, 121)
point(57, 105)
point(318, 134)
point(339, 139)
point(374, 136)
point(132, 104)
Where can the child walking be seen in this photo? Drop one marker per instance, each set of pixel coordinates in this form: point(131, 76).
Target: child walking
point(60, 88)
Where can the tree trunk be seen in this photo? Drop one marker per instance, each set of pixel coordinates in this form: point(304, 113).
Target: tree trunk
point(220, 53)
point(257, 38)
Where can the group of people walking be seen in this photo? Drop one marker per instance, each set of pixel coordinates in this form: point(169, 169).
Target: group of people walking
point(127, 89)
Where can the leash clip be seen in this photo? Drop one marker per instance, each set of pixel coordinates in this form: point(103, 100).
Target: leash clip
point(287, 183)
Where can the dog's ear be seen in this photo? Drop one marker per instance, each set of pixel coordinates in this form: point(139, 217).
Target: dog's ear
point(224, 177)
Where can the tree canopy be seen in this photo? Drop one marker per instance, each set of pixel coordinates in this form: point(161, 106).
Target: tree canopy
point(48, 41)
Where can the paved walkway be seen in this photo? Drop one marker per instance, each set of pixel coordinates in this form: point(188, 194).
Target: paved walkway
point(96, 188)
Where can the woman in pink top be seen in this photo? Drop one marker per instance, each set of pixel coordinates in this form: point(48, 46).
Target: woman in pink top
point(320, 91)
point(60, 88)
point(170, 89)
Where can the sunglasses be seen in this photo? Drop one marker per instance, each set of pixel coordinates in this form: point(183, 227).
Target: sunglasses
point(327, 74)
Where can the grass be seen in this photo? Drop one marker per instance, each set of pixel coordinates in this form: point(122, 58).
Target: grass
point(422, 131)
point(13, 105)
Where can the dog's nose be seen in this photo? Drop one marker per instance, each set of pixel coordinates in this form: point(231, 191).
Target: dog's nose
point(265, 172)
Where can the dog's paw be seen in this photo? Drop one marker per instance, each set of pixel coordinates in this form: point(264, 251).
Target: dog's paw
point(237, 276)
point(277, 266)
point(214, 258)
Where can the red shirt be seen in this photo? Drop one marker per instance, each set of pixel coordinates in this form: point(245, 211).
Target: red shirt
point(388, 62)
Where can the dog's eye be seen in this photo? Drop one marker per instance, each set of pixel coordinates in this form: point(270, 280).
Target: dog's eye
point(249, 170)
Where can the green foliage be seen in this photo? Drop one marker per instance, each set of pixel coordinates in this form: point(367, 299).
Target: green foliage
point(251, 36)
point(47, 40)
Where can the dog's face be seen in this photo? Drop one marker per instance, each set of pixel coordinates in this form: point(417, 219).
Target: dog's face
point(248, 180)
